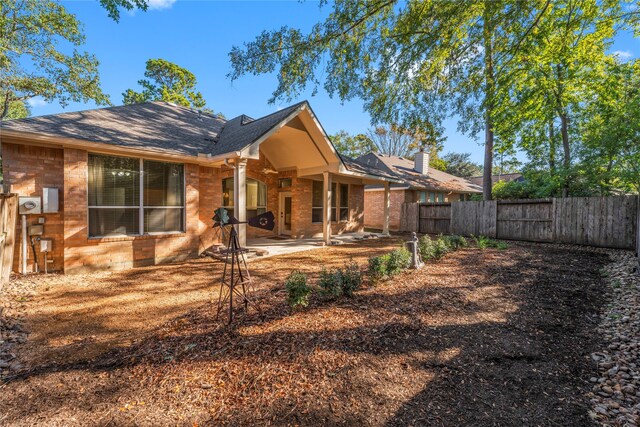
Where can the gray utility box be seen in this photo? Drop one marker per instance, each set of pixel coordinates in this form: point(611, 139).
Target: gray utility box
point(29, 205)
point(49, 200)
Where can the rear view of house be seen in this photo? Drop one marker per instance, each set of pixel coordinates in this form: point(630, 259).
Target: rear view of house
point(417, 183)
point(138, 184)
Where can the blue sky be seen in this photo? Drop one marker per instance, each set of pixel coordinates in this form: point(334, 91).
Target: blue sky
point(198, 35)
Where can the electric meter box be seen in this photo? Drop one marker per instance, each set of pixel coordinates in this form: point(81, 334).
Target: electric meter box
point(49, 200)
point(45, 245)
point(29, 205)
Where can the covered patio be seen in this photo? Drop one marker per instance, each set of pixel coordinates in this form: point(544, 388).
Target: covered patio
point(265, 247)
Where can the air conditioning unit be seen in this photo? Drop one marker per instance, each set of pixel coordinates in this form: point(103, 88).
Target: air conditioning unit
point(29, 205)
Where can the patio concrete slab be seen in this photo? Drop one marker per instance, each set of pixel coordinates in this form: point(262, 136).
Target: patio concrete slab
point(278, 245)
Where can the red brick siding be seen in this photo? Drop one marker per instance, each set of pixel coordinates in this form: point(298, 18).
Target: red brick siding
point(27, 170)
point(84, 253)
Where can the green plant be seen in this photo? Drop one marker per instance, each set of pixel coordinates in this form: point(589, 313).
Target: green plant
point(330, 282)
point(456, 242)
point(484, 242)
point(426, 247)
point(441, 247)
point(399, 259)
point(377, 268)
point(297, 289)
point(351, 278)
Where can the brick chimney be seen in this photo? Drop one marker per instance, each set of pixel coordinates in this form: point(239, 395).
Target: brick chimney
point(421, 162)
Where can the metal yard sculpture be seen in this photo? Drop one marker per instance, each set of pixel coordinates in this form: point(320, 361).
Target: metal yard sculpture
point(236, 280)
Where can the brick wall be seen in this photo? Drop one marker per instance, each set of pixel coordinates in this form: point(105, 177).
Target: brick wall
point(27, 170)
point(83, 253)
point(302, 227)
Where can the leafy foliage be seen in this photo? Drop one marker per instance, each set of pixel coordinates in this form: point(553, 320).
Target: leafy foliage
point(32, 62)
point(436, 248)
point(460, 164)
point(352, 146)
point(484, 242)
point(378, 268)
point(166, 81)
point(351, 278)
point(330, 282)
point(113, 6)
point(399, 260)
point(297, 289)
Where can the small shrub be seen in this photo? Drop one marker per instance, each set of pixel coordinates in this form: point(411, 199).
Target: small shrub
point(297, 289)
point(456, 242)
point(426, 247)
point(484, 242)
point(441, 247)
point(351, 278)
point(399, 259)
point(330, 282)
point(377, 268)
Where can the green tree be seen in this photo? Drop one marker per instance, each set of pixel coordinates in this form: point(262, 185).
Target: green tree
point(17, 110)
point(166, 81)
point(352, 145)
point(609, 156)
point(31, 64)
point(558, 67)
point(113, 6)
point(460, 164)
point(411, 63)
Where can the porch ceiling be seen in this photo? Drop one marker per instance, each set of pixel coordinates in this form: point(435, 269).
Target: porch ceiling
point(292, 147)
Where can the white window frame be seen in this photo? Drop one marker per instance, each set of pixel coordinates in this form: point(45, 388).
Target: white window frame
point(141, 207)
point(334, 218)
point(247, 207)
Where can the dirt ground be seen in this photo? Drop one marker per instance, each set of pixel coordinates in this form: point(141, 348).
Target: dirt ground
point(478, 338)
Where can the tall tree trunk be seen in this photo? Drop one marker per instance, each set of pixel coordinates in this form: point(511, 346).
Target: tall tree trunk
point(552, 148)
point(489, 91)
point(566, 162)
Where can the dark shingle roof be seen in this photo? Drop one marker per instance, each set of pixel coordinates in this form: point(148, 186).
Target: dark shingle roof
point(402, 169)
point(242, 131)
point(354, 165)
point(150, 125)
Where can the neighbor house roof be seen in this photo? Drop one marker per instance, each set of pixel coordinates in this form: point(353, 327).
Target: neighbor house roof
point(403, 169)
point(496, 178)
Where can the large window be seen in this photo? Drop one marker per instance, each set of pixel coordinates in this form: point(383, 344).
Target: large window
point(339, 192)
point(256, 196)
point(119, 204)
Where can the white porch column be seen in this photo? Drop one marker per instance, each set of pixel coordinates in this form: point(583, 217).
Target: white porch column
point(386, 202)
point(326, 212)
point(240, 198)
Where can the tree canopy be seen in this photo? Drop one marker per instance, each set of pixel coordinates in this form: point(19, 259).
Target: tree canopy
point(166, 81)
point(33, 61)
point(460, 164)
point(352, 145)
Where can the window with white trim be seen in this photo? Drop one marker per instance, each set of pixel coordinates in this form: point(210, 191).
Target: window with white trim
point(121, 202)
point(256, 196)
point(339, 193)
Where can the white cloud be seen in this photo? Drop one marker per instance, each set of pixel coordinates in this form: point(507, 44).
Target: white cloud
point(160, 4)
point(36, 102)
point(623, 54)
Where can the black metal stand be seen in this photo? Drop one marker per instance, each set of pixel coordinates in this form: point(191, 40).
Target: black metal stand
point(235, 277)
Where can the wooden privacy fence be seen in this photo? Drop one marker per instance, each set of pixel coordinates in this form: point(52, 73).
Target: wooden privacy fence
point(611, 222)
point(8, 218)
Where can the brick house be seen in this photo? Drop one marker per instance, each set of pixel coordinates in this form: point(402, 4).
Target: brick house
point(418, 183)
point(138, 184)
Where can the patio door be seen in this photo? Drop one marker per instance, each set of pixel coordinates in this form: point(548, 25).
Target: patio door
point(284, 222)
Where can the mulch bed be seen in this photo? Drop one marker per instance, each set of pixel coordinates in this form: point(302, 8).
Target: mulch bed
point(478, 338)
